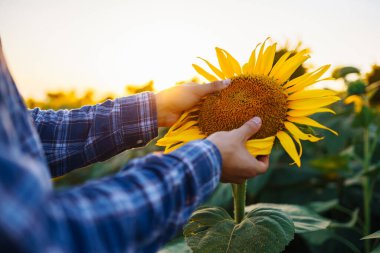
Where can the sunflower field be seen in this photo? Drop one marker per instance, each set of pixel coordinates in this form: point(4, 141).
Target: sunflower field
point(319, 196)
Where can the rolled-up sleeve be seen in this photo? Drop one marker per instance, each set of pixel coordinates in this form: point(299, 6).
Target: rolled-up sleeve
point(75, 138)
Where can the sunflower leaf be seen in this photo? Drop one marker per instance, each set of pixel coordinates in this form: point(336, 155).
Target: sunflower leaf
point(376, 250)
point(263, 229)
point(375, 235)
point(304, 219)
point(176, 245)
point(344, 71)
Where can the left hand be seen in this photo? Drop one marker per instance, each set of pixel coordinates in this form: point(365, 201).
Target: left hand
point(172, 102)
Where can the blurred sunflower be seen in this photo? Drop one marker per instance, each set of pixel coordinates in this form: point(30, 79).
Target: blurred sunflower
point(357, 100)
point(257, 89)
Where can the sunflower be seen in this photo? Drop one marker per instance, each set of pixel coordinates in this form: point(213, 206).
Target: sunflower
point(258, 88)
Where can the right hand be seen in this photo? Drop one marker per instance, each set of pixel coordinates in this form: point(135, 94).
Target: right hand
point(238, 163)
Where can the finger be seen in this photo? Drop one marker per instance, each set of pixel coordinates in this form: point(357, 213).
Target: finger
point(238, 180)
point(263, 158)
point(249, 128)
point(263, 164)
point(191, 84)
point(254, 166)
point(232, 179)
point(208, 88)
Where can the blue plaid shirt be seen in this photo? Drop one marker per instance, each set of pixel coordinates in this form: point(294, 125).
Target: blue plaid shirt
point(136, 210)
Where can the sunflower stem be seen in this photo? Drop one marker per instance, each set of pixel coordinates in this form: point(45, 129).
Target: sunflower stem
point(366, 190)
point(239, 191)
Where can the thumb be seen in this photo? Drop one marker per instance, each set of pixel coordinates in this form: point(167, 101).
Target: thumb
point(249, 128)
point(208, 88)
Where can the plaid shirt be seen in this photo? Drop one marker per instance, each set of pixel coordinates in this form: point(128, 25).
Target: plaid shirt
point(136, 210)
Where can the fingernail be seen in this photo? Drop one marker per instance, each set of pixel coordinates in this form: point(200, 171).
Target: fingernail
point(257, 120)
point(226, 82)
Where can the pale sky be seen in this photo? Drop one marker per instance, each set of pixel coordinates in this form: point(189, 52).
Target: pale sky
point(105, 45)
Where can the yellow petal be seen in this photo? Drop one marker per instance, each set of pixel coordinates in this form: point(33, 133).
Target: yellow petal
point(224, 64)
point(285, 74)
point(252, 60)
point(169, 149)
point(301, 113)
point(179, 122)
point(245, 68)
point(288, 144)
point(260, 58)
point(185, 117)
point(279, 64)
point(259, 151)
point(261, 143)
point(297, 88)
point(234, 63)
point(183, 127)
point(300, 148)
point(213, 68)
point(185, 136)
point(291, 65)
point(308, 80)
point(299, 145)
point(312, 103)
point(296, 80)
point(269, 58)
point(204, 73)
point(260, 146)
point(311, 94)
point(357, 100)
point(352, 99)
point(297, 133)
point(309, 122)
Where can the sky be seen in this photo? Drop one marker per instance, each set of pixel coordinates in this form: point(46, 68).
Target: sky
point(106, 44)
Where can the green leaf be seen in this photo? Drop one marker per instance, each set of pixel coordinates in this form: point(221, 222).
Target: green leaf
point(376, 250)
point(349, 224)
point(372, 171)
point(305, 219)
point(175, 246)
point(317, 237)
point(375, 235)
point(262, 230)
point(323, 206)
point(344, 71)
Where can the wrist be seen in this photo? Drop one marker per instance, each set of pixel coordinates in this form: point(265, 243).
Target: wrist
point(166, 115)
point(161, 110)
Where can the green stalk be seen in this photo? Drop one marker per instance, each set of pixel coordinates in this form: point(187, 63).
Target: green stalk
point(366, 191)
point(239, 191)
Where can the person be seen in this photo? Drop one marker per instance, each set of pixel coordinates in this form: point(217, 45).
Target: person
point(138, 209)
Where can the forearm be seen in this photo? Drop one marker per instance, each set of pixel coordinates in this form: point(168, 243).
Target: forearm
point(137, 210)
point(76, 138)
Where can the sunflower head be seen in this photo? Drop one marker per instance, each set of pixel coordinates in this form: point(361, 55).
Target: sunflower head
point(258, 88)
point(247, 95)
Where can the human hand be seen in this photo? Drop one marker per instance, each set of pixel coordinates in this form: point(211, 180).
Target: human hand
point(238, 164)
point(172, 102)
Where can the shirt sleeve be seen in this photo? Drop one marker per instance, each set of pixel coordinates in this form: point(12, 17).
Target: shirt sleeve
point(75, 138)
point(137, 210)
